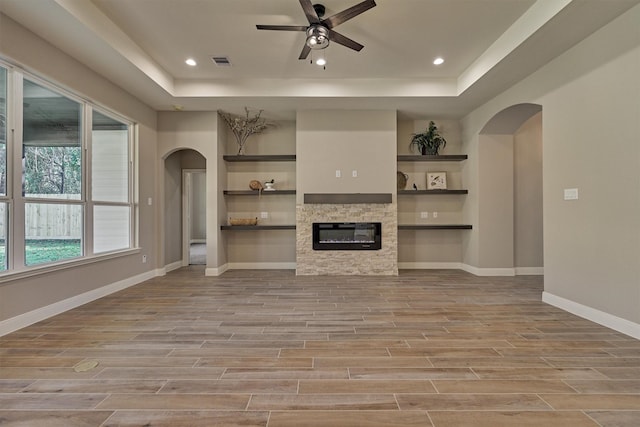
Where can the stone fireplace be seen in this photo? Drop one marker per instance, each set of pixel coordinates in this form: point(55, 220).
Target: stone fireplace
point(346, 262)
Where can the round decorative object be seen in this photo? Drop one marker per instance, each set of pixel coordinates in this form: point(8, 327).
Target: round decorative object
point(402, 180)
point(254, 184)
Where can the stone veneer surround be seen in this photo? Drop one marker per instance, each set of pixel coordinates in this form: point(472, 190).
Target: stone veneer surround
point(383, 262)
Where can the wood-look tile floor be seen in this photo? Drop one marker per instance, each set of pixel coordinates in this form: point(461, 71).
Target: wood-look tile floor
point(267, 348)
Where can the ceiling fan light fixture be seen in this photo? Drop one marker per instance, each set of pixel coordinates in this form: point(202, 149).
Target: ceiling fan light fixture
point(317, 37)
point(438, 61)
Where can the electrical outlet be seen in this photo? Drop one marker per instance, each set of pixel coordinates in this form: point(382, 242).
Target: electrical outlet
point(144, 259)
point(354, 173)
point(424, 215)
point(264, 215)
point(435, 214)
point(338, 173)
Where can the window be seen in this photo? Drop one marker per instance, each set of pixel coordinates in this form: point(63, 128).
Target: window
point(110, 183)
point(74, 166)
point(52, 174)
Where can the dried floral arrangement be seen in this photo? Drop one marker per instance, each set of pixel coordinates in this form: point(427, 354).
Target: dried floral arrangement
point(244, 127)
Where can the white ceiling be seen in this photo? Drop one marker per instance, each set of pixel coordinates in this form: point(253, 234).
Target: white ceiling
point(488, 45)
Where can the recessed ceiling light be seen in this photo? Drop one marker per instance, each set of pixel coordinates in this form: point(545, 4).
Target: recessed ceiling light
point(438, 61)
point(192, 62)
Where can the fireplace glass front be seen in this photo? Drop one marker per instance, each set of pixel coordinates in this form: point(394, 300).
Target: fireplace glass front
point(347, 235)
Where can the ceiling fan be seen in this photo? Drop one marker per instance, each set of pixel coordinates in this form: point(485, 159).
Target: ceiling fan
point(320, 31)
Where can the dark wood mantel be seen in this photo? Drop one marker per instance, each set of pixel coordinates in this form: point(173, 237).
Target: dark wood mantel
point(346, 198)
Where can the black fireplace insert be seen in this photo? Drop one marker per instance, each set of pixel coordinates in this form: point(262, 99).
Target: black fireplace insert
point(334, 236)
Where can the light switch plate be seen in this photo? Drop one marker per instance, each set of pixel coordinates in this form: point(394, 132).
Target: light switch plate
point(571, 194)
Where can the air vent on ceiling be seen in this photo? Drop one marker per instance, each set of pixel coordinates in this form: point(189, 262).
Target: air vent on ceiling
point(221, 61)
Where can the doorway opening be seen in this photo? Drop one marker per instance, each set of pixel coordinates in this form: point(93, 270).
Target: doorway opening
point(194, 217)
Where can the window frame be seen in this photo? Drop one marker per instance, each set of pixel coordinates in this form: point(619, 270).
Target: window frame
point(16, 201)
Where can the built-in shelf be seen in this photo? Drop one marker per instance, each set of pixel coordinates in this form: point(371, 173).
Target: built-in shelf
point(257, 193)
point(257, 227)
point(439, 158)
point(261, 158)
point(429, 192)
point(435, 227)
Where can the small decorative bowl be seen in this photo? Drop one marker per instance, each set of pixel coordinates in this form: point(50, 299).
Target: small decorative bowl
point(243, 221)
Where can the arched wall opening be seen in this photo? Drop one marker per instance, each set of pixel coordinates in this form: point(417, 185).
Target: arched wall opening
point(174, 198)
point(509, 226)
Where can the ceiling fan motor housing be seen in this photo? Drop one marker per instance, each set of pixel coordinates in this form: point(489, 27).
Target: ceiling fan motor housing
point(317, 37)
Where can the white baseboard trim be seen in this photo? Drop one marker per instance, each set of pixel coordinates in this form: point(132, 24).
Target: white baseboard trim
point(173, 266)
point(488, 271)
point(518, 271)
point(211, 271)
point(429, 266)
point(600, 317)
point(23, 320)
point(262, 265)
point(529, 271)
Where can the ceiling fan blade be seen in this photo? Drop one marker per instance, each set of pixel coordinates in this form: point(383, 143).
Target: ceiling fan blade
point(282, 27)
point(344, 41)
point(305, 52)
point(312, 16)
point(347, 14)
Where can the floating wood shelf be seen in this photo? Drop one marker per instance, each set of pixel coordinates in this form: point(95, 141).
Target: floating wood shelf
point(435, 227)
point(257, 193)
point(439, 158)
point(257, 227)
point(262, 158)
point(429, 192)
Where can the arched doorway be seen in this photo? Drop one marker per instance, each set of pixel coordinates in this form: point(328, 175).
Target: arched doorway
point(511, 213)
point(184, 206)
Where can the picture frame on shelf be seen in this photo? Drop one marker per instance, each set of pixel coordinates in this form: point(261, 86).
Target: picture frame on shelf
point(436, 180)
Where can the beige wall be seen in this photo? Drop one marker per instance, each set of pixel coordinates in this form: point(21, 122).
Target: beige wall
point(528, 230)
point(22, 296)
point(172, 209)
point(199, 206)
point(494, 224)
point(364, 141)
point(590, 109)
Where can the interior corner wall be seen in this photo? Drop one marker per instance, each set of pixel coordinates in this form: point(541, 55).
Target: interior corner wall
point(35, 296)
point(590, 106)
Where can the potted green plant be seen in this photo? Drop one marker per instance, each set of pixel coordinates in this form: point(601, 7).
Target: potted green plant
point(428, 142)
